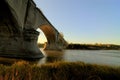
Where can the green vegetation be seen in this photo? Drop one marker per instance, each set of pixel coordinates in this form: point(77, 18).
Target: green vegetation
point(94, 46)
point(58, 71)
point(40, 45)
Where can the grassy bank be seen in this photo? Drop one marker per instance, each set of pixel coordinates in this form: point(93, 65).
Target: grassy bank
point(58, 71)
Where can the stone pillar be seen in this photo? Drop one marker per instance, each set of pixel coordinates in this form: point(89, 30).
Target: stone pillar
point(30, 47)
point(24, 46)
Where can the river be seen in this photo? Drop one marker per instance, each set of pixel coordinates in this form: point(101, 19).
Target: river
point(104, 57)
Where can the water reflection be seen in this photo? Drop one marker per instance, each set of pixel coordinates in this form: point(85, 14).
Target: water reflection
point(105, 57)
point(51, 56)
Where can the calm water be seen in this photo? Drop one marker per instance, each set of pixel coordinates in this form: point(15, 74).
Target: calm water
point(105, 57)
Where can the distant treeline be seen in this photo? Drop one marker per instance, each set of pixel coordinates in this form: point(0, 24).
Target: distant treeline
point(94, 47)
point(90, 46)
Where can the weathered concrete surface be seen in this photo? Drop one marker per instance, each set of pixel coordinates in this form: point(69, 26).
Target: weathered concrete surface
point(19, 20)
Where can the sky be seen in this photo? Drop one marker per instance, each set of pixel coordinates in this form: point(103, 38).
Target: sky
point(84, 21)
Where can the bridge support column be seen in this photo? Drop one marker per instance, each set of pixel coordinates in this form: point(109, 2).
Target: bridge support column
point(21, 46)
point(30, 37)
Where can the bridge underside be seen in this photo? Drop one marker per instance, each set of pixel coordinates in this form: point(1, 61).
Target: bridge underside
point(52, 38)
point(18, 35)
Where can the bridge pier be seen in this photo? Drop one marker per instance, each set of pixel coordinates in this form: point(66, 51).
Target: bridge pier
point(30, 37)
point(24, 46)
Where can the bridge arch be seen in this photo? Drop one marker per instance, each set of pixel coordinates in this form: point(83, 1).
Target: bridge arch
point(50, 34)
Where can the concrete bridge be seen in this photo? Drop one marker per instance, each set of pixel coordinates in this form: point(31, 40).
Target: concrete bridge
point(19, 20)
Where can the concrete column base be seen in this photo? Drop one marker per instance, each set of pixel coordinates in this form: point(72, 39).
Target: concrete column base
point(24, 47)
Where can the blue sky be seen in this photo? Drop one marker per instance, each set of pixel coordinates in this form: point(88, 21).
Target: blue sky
point(84, 21)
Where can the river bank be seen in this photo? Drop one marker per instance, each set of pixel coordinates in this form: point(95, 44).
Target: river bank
point(89, 46)
point(58, 71)
point(94, 46)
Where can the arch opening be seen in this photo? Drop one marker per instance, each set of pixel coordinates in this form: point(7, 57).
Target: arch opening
point(41, 38)
point(47, 35)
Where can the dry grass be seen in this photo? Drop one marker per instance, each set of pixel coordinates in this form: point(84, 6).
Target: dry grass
point(58, 71)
